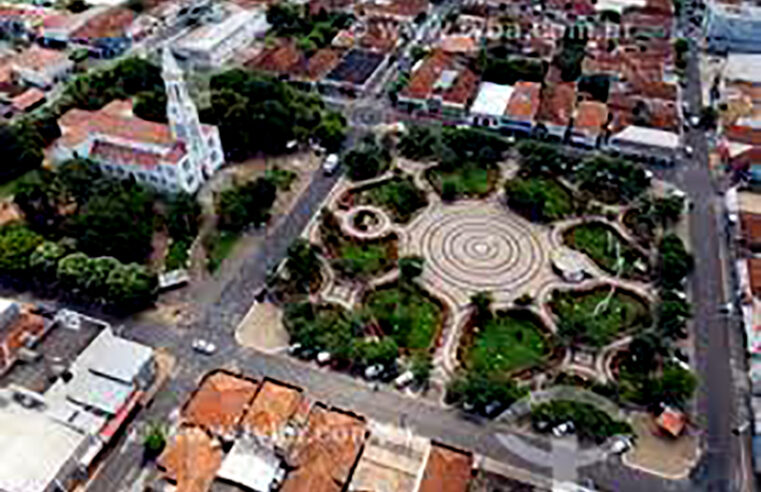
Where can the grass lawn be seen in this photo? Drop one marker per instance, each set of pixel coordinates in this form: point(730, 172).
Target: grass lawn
point(578, 322)
point(600, 242)
point(406, 314)
point(364, 259)
point(466, 180)
point(508, 342)
point(399, 196)
point(219, 247)
point(539, 199)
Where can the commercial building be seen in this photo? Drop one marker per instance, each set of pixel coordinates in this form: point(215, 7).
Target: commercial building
point(733, 27)
point(490, 104)
point(645, 143)
point(214, 43)
point(172, 157)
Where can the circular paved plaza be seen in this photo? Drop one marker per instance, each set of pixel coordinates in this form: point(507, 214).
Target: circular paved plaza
point(474, 247)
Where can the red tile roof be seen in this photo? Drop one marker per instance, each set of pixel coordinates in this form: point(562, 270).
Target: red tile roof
point(524, 101)
point(112, 23)
point(557, 103)
point(672, 421)
point(122, 154)
point(14, 335)
point(191, 460)
point(381, 35)
point(447, 470)
point(219, 403)
point(423, 81)
point(751, 229)
point(283, 58)
point(322, 62)
point(271, 409)
point(37, 58)
point(326, 452)
point(743, 134)
point(754, 272)
point(27, 99)
point(591, 116)
point(77, 124)
point(408, 9)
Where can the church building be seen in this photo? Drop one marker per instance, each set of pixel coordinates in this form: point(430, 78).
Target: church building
point(173, 157)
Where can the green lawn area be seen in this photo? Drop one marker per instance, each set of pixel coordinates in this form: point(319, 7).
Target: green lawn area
point(219, 247)
point(508, 342)
point(406, 314)
point(399, 196)
point(466, 180)
point(539, 199)
point(578, 322)
point(363, 259)
point(601, 243)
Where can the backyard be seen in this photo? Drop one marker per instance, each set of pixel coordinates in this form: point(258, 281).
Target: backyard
point(509, 341)
point(407, 314)
point(603, 245)
point(580, 320)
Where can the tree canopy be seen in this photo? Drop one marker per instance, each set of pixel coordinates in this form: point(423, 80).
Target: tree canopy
point(247, 204)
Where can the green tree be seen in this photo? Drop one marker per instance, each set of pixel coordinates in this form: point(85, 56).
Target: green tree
point(479, 390)
point(367, 160)
point(481, 302)
point(245, 205)
point(22, 147)
point(410, 267)
point(17, 243)
point(419, 142)
point(44, 260)
point(383, 352)
point(154, 439)
point(539, 157)
point(303, 265)
point(674, 261)
point(74, 272)
point(331, 131)
point(182, 216)
point(130, 286)
point(421, 366)
point(675, 386)
point(118, 222)
point(668, 210)
point(151, 105)
point(598, 86)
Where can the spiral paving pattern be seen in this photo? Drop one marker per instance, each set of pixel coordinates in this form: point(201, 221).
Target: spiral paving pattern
point(478, 251)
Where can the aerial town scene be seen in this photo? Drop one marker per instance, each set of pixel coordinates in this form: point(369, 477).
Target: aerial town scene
point(380, 245)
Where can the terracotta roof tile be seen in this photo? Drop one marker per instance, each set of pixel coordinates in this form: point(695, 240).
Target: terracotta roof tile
point(590, 116)
point(395, 8)
point(751, 229)
point(422, 85)
point(381, 35)
point(754, 272)
point(27, 99)
point(283, 58)
point(524, 101)
point(122, 154)
point(557, 103)
point(672, 421)
point(112, 23)
point(322, 62)
point(76, 124)
point(219, 403)
point(326, 453)
point(191, 459)
point(458, 44)
point(37, 58)
point(447, 470)
point(743, 134)
point(271, 409)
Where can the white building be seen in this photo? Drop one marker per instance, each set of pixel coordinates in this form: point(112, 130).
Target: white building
point(645, 143)
point(490, 105)
point(212, 44)
point(171, 158)
point(733, 27)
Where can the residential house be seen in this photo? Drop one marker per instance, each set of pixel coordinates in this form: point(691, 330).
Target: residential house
point(447, 470)
point(172, 157)
point(440, 85)
point(106, 34)
point(191, 459)
point(589, 123)
point(750, 224)
point(19, 328)
point(219, 403)
point(731, 27)
point(521, 110)
point(42, 67)
point(645, 143)
point(399, 10)
point(557, 102)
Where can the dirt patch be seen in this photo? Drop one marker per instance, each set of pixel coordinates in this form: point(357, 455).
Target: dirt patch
point(262, 328)
point(661, 454)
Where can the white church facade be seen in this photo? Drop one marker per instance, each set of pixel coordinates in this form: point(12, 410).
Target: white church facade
point(174, 157)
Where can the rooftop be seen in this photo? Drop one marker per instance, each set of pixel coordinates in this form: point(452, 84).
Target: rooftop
point(113, 23)
point(440, 75)
point(356, 67)
point(191, 459)
point(591, 116)
point(35, 447)
point(492, 99)
point(28, 99)
point(271, 409)
point(391, 461)
point(251, 465)
point(115, 357)
point(754, 272)
point(557, 103)
point(524, 102)
point(94, 391)
point(408, 9)
point(743, 67)
point(672, 421)
point(447, 470)
point(219, 403)
point(37, 58)
point(648, 136)
point(283, 58)
point(209, 35)
point(326, 452)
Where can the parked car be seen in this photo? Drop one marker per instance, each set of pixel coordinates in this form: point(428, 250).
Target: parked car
point(323, 357)
point(204, 346)
point(404, 379)
point(330, 164)
point(726, 308)
point(373, 371)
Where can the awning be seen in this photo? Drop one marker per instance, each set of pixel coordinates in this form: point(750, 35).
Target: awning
point(113, 425)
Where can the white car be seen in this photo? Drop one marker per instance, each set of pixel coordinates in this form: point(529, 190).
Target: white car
point(694, 121)
point(373, 371)
point(323, 357)
point(404, 379)
point(688, 150)
point(330, 164)
point(204, 346)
